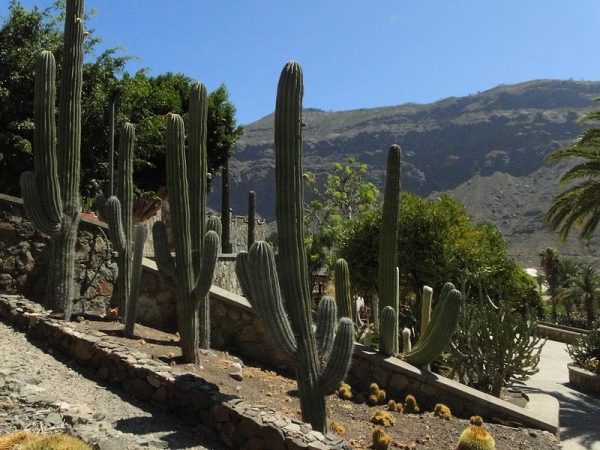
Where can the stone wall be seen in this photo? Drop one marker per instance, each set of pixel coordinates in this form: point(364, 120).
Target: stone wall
point(24, 253)
point(559, 333)
point(197, 402)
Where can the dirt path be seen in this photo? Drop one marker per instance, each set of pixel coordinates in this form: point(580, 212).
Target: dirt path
point(44, 392)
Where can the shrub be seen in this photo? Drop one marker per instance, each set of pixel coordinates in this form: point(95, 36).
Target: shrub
point(494, 346)
point(585, 351)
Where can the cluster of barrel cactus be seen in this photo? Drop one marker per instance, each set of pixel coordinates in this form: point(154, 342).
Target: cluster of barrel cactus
point(196, 249)
point(51, 194)
point(321, 361)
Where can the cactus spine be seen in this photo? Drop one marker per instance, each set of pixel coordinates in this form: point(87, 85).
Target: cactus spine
point(388, 289)
point(51, 195)
point(259, 278)
point(438, 334)
point(251, 218)
point(343, 296)
point(119, 214)
point(196, 251)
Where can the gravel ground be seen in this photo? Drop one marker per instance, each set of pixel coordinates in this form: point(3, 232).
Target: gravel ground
point(42, 391)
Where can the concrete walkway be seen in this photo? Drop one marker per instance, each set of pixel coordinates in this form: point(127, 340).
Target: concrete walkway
point(579, 413)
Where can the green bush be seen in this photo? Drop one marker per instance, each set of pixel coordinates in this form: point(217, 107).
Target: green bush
point(585, 351)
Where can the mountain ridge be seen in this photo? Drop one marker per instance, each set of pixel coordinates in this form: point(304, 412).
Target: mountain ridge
point(509, 129)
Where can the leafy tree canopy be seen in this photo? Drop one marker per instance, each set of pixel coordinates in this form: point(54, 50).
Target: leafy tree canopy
point(344, 195)
point(143, 101)
point(438, 242)
point(578, 206)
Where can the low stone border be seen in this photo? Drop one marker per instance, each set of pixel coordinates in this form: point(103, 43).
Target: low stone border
point(559, 333)
point(584, 380)
point(198, 402)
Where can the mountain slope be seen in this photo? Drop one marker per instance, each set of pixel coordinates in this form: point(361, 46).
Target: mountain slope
point(461, 146)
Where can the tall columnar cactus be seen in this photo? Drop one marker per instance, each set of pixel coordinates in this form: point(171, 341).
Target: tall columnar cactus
point(251, 218)
point(139, 239)
point(436, 337)
point(388, 253)
point(291, 330)
point(343, 295)
point(119, 213)
point(225, 209)
point(51, 195)
point(196, 250)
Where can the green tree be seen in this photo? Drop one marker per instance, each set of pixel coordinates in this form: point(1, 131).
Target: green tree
point(343, 196)
point(566, 272)
point(23, 36)
point(144, 102)
point(578, 206)
point(438, 242)
point(579, 284)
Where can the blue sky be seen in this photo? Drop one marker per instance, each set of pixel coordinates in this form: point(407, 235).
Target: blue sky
point(354, 53)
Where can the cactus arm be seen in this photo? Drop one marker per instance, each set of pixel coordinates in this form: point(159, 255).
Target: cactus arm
point(338, 363)
point(388, 322)
point(426, 307)
point(446, 289)
point(69, 117)
point(34, 207)
point(115, 224)
point(196, 170)
point(45, 156)
point(441, 329)
point(140, 235)
point(343, 295)
point(241, 271)
point(326, 322)
point(407, 345)
point(389, 328)
point(266, 297)
point(207, 267)
point(162, 253)
point(214, 224)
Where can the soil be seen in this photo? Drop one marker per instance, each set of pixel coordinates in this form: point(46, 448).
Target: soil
point(265, 386)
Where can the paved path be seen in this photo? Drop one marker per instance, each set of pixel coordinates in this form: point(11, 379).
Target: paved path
point(579, 413)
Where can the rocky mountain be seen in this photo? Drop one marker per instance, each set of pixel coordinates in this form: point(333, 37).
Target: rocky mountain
point(487, 150)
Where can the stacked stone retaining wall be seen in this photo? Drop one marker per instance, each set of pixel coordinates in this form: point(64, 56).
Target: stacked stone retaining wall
point(196, 401)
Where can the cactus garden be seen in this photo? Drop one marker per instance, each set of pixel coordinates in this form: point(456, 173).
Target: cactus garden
point(271, 351)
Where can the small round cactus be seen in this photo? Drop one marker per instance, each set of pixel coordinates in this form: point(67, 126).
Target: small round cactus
point(476, 420)
point(381, 440)
point(442, 411)
point(475, 438)
point(337, 428)
point(383, 418)
point(410, 405)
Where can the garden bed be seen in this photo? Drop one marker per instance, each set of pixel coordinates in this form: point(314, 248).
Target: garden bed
point(584, 380)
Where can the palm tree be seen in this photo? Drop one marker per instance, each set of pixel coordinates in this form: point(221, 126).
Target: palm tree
point(579, 205)
point(585, 286)
point(548, 260)
point(567, 272)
